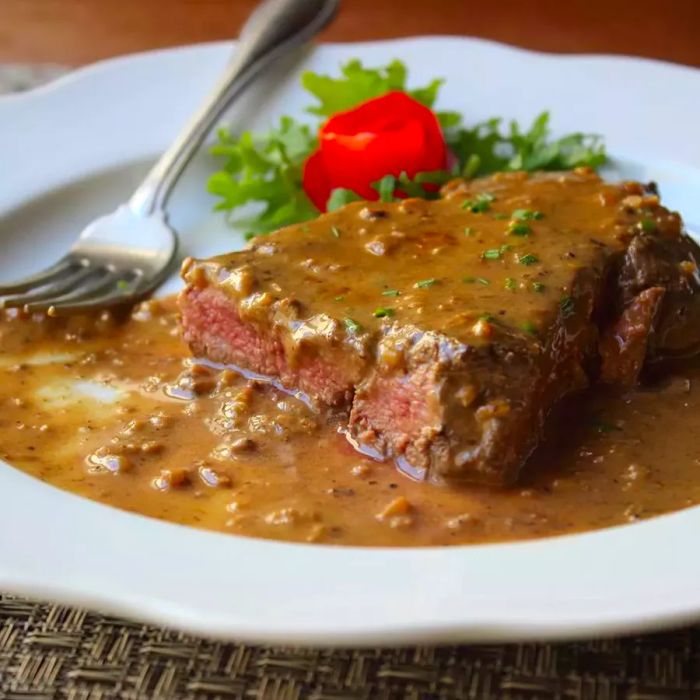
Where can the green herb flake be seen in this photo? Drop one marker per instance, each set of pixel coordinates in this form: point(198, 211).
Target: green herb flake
point(480, 204)
point(516, 229)
point(648, 225)
point(468, 231)
point(495, 253)
point(416, 186)
point(500, 216)
point(538, 287)
point(526, 215)
point(430, 282)
point(335, 232)
point(385, 187)
point(471, 166)
point(486, 317)
point(341, 196)
point(567, 306)
point(529, 327)
point(383, 312)
point(510, 284)
point(528, 259)
point(483, 202)
point(391, 293)
point(352, 326)
point(122, 285)
point(476, 280)
point(340, 297)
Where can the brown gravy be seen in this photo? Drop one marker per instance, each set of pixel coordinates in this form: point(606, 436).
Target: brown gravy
point(511, 255)
point(184, 443)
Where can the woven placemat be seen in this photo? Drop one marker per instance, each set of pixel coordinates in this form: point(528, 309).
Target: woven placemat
point(52, 651)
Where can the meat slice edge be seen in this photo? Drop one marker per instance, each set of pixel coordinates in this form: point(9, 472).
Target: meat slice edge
point(216, 328)
point(482, 407)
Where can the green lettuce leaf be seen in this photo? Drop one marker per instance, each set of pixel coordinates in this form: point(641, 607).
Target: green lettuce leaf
point(264, 170)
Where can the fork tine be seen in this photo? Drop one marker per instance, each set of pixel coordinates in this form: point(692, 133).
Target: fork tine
point(92, 287)
point(62, 286)
point(112, 296)
point(40, 278)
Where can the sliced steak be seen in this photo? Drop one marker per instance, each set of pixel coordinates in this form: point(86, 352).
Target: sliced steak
point(311, 356)
point(624, 344)
point(449, 329)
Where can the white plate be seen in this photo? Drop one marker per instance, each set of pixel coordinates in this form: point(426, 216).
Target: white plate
point(75, 148)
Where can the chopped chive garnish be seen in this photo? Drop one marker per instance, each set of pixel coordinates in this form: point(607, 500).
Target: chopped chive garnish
point(352, 326)
point(425, 283)
point(480, 204)
point(340, 297)
point(122, 284)
point(468, 231)
point(567, 306)
point(529, 327)
point(335, 232)
point(491, 254)
point(648, 225)
point(527, 215)
point(510, 283)
point(486, 317)
point(383, 312)
point(519, 229)
point(500, 215)
point(476, 280)
point(528, 259)
point(391, 293)
point(537, 287)
point(495, 253)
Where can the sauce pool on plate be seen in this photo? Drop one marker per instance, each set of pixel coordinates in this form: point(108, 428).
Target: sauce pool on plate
point(120, 413)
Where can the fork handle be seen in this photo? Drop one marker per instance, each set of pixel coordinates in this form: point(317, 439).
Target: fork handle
point(275, 28)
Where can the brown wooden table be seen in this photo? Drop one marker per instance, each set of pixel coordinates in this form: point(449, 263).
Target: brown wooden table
point(80, 31)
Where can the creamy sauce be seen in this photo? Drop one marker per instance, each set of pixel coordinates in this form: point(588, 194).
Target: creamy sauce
point(507, 249)
point(120, 413)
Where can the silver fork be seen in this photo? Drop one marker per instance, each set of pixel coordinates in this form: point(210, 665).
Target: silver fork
point(123, 256)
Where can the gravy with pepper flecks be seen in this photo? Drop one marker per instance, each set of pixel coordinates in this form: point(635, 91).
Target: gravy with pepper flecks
point(119, 412)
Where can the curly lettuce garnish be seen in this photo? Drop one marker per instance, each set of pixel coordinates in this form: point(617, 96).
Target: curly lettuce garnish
point(265, 170)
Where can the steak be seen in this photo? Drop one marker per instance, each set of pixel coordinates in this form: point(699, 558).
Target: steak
point(447, 330)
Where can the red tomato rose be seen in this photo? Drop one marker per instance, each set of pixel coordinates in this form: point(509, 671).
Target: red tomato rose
point(383, 136)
